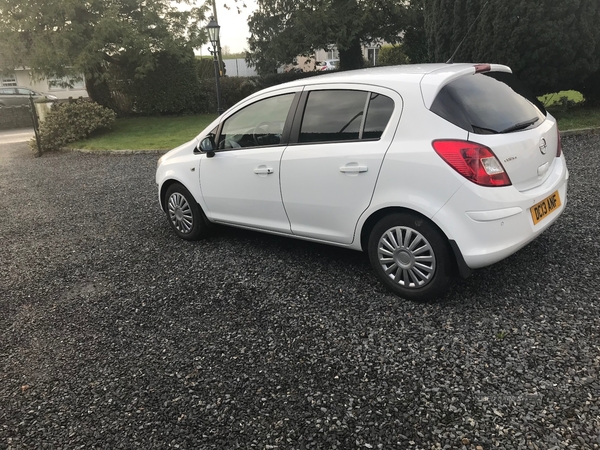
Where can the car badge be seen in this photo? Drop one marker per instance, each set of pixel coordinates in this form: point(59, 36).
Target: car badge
point(543, 146)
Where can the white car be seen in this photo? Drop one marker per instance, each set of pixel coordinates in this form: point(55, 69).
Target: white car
point(433, 170)
point(328, 64)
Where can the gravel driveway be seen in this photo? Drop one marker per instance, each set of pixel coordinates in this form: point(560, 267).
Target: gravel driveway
point(116, 334)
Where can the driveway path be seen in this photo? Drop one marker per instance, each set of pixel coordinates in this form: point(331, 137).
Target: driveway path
point(14, 136)
point(116, 334)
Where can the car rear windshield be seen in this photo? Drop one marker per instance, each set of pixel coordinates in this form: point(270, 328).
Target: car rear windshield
point(490, 103)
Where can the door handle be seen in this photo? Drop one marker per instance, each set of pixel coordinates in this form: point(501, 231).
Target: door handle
point(262, 170)
point(353, 169)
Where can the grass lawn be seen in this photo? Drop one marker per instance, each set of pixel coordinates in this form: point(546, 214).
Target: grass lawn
point(577, 117)
point(147, 133)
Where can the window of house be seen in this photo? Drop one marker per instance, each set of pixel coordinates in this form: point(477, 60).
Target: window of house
point(65, 83)
point(8, 80)
point(372, 55)
point(259, 124)
point(338, 115)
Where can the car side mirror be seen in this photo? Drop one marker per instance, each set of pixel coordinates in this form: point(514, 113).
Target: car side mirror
point(208, 146)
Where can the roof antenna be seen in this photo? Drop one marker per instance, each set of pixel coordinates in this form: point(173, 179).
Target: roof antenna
point(451, 60)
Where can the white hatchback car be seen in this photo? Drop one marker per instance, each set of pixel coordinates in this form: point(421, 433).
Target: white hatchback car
point(433, 170)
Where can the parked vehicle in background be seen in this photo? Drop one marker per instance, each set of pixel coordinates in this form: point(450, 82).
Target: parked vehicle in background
point(433, 170)
point(18, 96)
point(328, 64)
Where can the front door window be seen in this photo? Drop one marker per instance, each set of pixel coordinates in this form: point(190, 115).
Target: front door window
point(258, 125)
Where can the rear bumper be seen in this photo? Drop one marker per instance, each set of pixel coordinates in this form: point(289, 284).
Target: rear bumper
point(497, 221)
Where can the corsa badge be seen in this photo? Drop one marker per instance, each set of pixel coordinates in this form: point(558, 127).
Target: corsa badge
point(543, 146)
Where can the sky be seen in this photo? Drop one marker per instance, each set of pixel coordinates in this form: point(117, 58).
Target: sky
point(234, 26)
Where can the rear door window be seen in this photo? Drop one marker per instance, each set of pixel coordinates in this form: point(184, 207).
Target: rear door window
point(378, 115)
point(482, 104)
point(339, 115)
point(333, 116)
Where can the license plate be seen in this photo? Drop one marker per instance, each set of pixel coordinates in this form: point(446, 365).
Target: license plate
point(540, 210)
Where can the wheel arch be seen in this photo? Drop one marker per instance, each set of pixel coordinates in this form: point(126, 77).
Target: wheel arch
point(165, 187)
point(163, 191)
point(460, 265)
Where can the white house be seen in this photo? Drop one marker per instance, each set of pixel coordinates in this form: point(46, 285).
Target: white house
point(370, 54)
point(23, 77)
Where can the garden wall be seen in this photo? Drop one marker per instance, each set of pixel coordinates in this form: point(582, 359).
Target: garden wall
point(15, 117)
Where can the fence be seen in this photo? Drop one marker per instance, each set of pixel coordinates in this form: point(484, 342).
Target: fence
point(239, 68)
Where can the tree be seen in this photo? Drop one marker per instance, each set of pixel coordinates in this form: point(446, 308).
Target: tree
point(552, 45)
point(103, 39)
point(414, 42)
point(283, 29)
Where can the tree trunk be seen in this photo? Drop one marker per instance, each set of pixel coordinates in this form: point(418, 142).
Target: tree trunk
point(98, 89)
point(100, 92)
point(351, 57)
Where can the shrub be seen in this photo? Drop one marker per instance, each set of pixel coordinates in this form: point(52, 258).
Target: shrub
point(391, 55)
point(73, 121)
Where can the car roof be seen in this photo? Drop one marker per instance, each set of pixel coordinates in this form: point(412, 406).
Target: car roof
point(431, 77)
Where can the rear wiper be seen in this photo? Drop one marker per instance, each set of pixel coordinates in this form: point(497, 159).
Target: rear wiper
point(481, 130)
point(520, 125)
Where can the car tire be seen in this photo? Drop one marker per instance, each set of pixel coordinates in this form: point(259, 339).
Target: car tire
point(184, 214)
point(411, 256)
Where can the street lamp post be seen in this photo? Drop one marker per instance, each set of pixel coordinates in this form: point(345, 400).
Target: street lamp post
point(213, 29)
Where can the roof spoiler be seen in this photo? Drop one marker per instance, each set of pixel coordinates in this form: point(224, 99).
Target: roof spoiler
point(433, 82)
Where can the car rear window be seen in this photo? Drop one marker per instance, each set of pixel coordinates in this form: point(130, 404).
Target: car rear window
point(488, 104)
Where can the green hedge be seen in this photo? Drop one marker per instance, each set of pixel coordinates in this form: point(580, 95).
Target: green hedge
point(590, 89)
point(235, 89)
point(171, 88)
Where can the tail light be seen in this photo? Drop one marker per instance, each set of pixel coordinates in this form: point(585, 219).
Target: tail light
point(559, 144)
point(475, 162)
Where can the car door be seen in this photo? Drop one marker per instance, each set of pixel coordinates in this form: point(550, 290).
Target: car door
point(240, 180)
point(22, 97)
point(8, 96)
point(330, 168)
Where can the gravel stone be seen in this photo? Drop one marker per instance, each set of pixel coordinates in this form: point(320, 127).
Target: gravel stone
point(115, 334)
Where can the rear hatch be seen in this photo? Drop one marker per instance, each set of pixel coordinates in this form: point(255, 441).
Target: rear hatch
point(498, 112)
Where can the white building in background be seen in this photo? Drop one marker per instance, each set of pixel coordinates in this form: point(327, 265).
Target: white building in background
point(370, 54)
point(238, 68)
point(22, 77)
